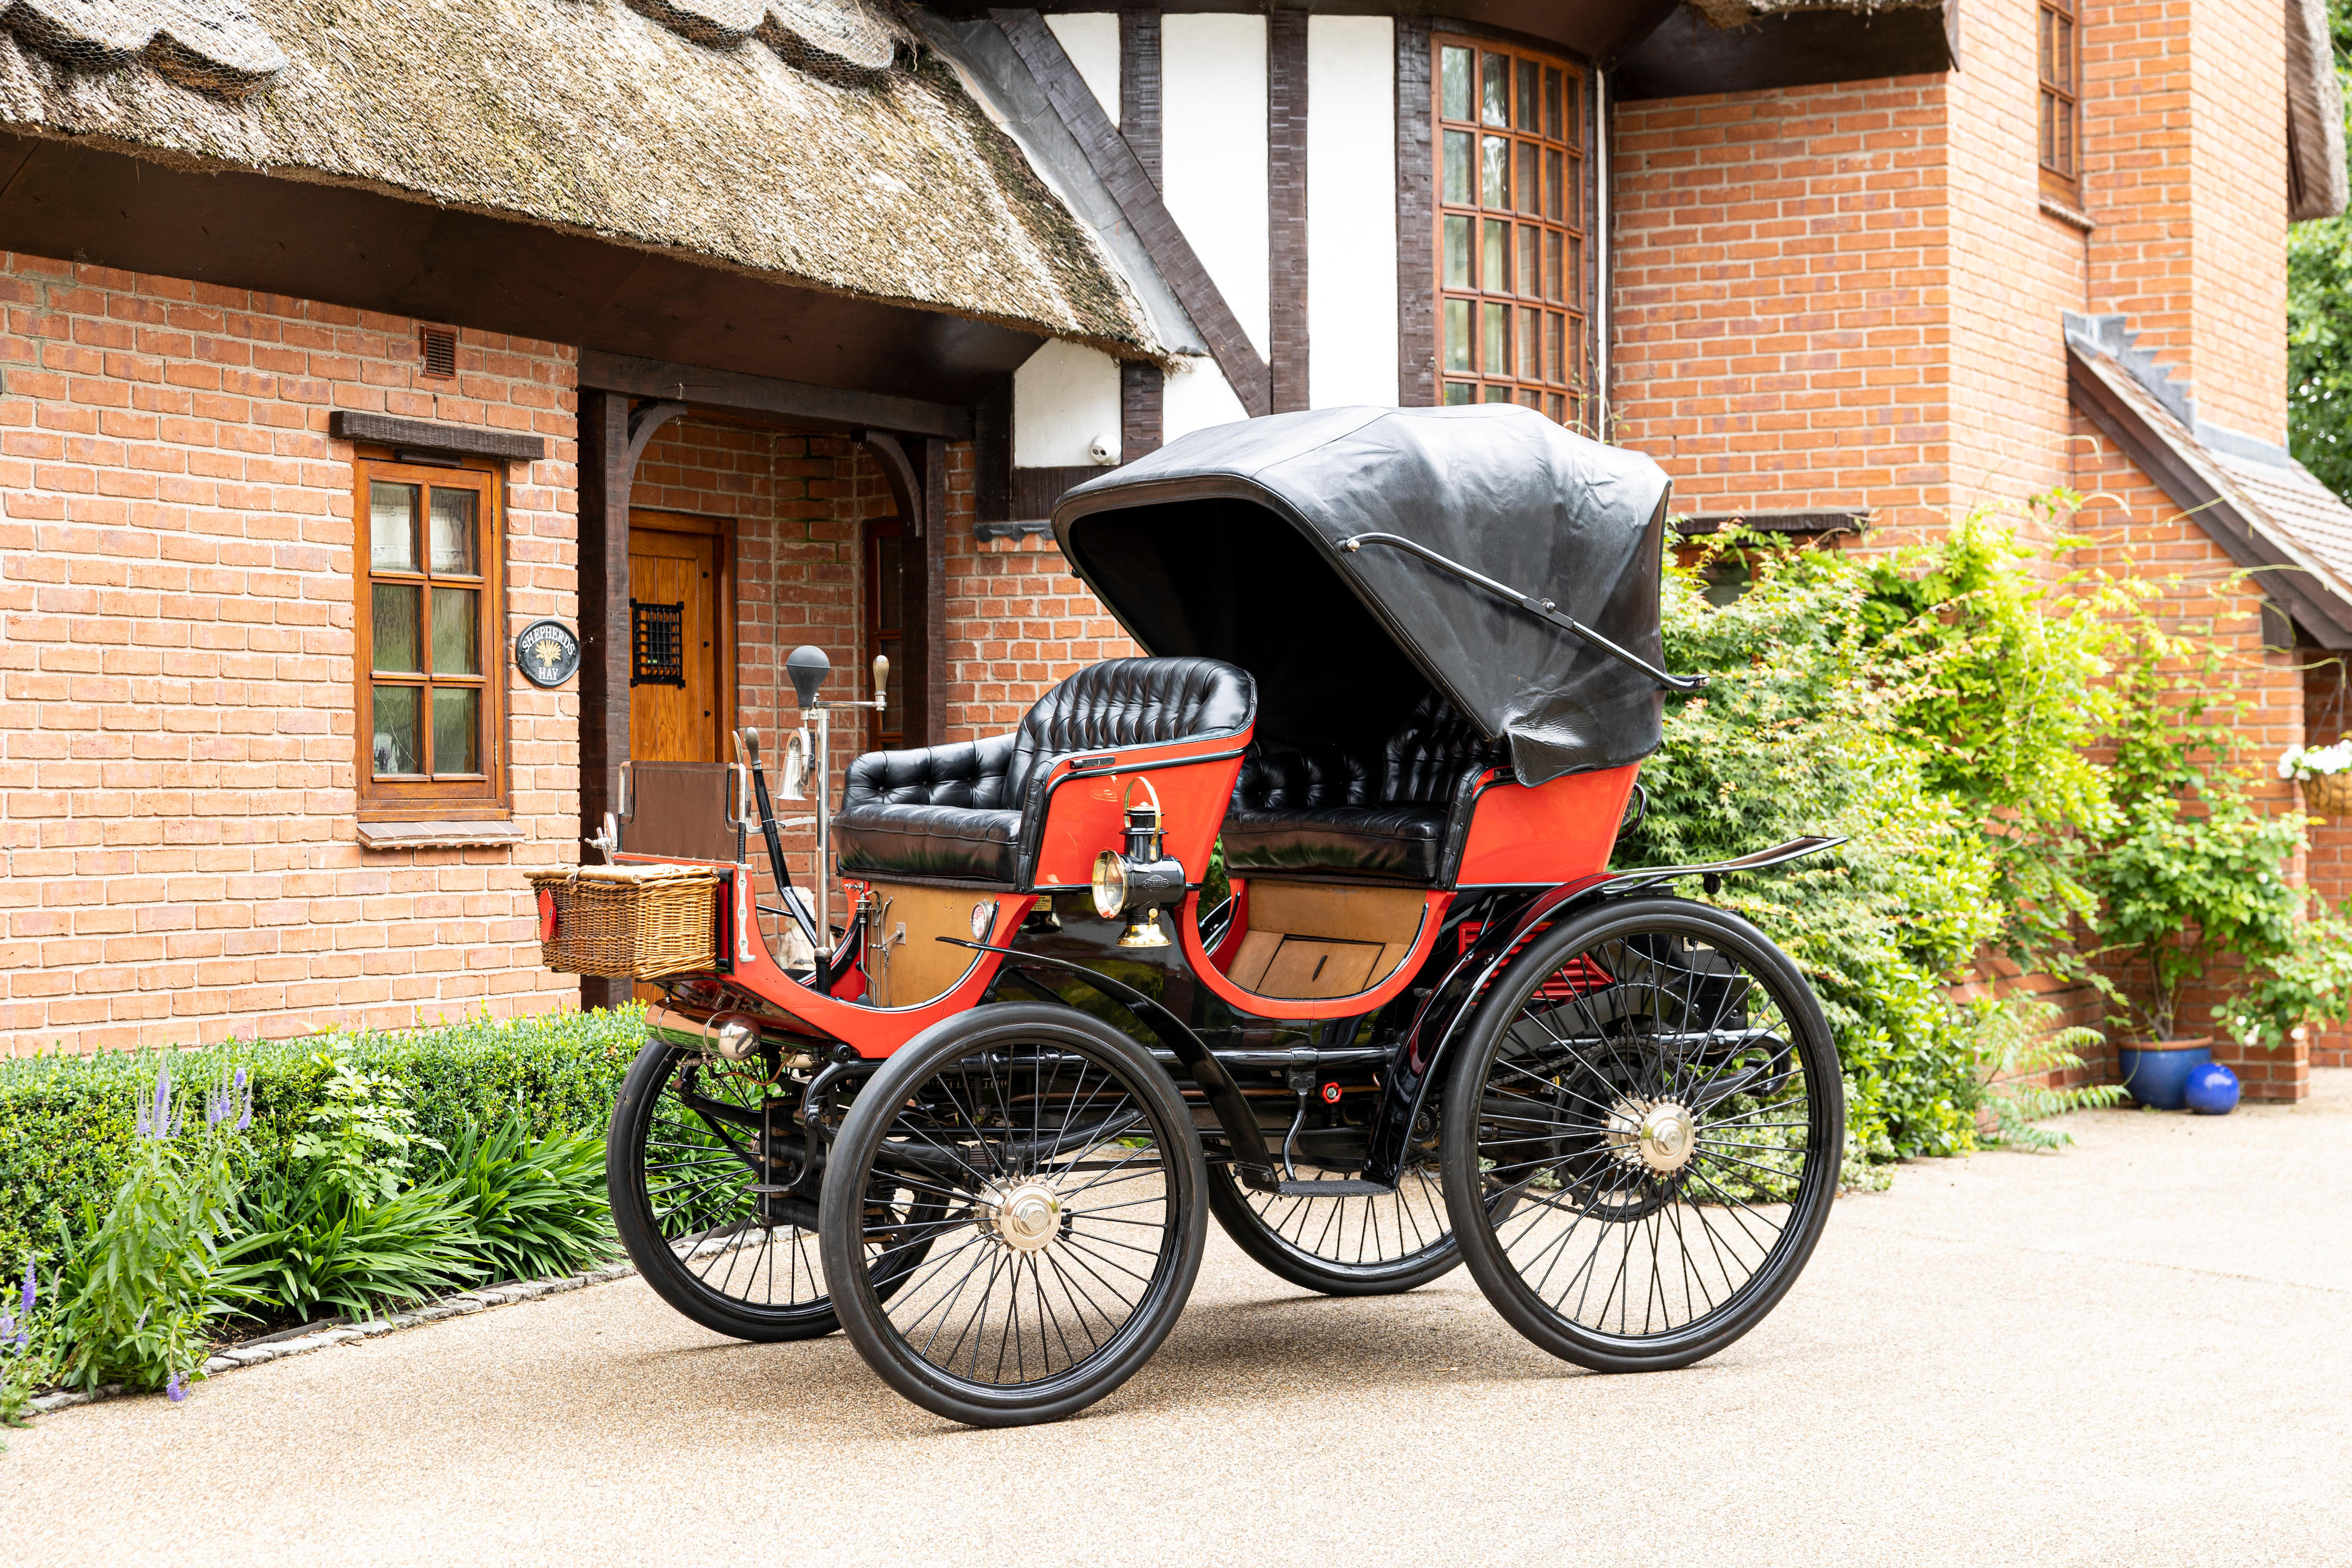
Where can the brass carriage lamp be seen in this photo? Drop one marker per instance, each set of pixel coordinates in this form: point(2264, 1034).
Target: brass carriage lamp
point(1143, 878)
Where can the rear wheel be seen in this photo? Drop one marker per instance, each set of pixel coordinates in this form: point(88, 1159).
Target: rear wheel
point(1650, 1105)
point(679, 1166)
point(1065, 1174)
point(1376, 1246)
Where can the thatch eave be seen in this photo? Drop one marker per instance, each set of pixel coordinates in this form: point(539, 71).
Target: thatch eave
point(584, 117)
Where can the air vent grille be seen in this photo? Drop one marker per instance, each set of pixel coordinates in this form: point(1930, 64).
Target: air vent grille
point(440, 351)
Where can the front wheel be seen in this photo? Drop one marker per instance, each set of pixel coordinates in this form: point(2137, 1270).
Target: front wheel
point(1065, 1175)
point(1649, 1105)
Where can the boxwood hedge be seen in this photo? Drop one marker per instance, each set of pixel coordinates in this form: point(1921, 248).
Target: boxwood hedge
point(66, 1121)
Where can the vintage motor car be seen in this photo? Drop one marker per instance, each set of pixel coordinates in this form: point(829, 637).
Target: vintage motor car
point(1404, 667)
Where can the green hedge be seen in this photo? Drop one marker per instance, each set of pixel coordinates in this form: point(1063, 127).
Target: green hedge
point(66, 1122)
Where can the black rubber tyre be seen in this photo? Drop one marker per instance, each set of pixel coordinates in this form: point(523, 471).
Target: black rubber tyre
point(683, 1206)
point(1342, 1246)
point(1649, 1076)
point(1056, 1147)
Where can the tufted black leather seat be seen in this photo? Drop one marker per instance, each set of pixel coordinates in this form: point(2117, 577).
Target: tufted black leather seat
point(1397, 813)
point(973, 811)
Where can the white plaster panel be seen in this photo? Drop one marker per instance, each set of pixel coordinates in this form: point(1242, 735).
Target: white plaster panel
point(1063, 399)
point(1197, 398)
point(1212, 153)
point(1091, 40)
point(1351, 244)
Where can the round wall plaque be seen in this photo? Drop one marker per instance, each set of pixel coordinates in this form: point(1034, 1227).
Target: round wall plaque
point(547, 653)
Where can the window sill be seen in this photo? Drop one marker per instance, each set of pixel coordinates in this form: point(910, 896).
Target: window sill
point(2051, 207)
point(438, 835)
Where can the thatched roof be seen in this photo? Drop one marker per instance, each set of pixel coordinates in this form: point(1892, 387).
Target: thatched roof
point(889, 183)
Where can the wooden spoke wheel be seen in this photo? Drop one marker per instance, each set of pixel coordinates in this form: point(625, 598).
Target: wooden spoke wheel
point(1065, 1174)
point(1650, 1107)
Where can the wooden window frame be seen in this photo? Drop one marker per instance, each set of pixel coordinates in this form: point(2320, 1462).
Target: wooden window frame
point(1559, 326)
point(2058, 98)
point(481, 796)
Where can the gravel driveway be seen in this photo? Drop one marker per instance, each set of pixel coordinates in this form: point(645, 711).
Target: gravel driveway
point(2134, 1352)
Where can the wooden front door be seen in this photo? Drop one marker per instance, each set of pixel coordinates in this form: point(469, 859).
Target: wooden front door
point(681, 691)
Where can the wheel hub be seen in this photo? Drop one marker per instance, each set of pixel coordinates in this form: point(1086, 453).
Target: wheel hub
point(1024, 1217)
point(1658, 1136)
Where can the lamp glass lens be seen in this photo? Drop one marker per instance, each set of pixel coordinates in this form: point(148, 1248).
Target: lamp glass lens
point(1110, 884)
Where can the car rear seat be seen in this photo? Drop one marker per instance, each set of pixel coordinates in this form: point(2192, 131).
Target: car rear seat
point(1397, 813)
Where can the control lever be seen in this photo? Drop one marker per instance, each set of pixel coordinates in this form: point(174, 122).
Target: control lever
point(607, 841)
point(749, 739)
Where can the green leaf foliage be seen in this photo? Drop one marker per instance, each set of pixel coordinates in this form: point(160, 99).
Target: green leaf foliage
point(2319, 326)
point(66, 1123)
point(141, 1288)
point(538, 1207)
point(1803, 732)
point(307, 1248)
point(2190, 868)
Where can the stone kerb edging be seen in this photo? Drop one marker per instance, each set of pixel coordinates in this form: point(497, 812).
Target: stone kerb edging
point(455, 1306)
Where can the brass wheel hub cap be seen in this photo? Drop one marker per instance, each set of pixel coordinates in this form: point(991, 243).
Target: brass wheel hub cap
point(1023, 1218)
point(1656, 1136)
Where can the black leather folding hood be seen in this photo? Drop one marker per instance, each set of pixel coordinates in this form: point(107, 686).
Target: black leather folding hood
point(1195, 548)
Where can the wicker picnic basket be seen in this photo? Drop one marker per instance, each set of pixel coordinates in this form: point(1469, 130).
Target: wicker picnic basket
point(2328, 794)
point(627, 923)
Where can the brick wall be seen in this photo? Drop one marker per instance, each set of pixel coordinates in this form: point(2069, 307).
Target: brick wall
point(1783, 298)
point(2015, 270)
point(177, 758)
point(2260, 694)
point(2184, 172)
point(2237, 185)
point(2136, 167)
point(1018, 621)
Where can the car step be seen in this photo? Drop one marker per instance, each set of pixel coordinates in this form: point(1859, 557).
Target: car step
point(1348, 1189)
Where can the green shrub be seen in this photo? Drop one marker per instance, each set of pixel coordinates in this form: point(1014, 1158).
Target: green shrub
point(308, 1249)
point(1801, 731)
point(345, 1226)
point(66, 1123)
point(537, 1207)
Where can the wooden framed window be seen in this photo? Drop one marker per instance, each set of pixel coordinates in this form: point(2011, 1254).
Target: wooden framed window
point(2060, 66)
point(1513, 316)
point(431, 615)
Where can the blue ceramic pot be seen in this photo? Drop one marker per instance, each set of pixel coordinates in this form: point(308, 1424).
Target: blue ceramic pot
point(2158, 1074)
point(2211, 1090)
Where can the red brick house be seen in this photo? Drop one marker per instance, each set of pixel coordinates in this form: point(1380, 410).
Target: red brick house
point(705, 328)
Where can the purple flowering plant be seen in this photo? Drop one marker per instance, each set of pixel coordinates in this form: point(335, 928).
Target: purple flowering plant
point(27, 1357)
point(142, 1285)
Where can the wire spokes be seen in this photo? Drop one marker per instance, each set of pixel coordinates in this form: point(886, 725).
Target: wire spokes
point(1049, 1217)
point(699, 1187)
point(1647, 1115)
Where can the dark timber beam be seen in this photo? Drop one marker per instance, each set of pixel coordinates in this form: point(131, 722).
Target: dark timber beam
point(827, 407)
point(930, 601)
point(1286, 183)
point(1142, 387)
point(606, 460)
point(1115, 163)
point(1416, 220)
